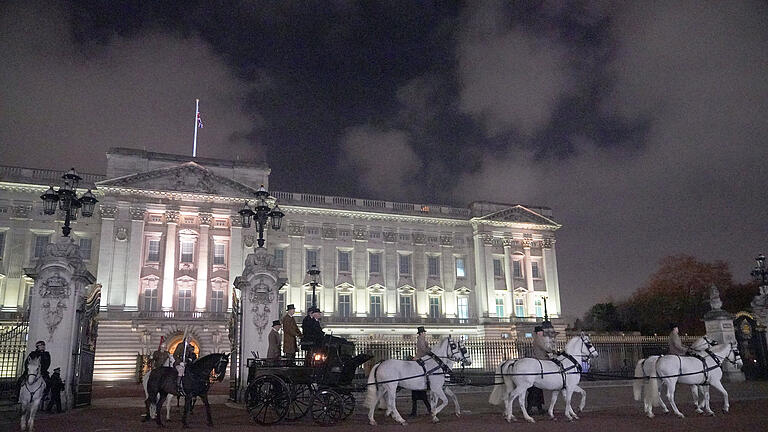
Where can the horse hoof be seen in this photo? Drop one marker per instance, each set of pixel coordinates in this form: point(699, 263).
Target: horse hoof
point(531, 420)
point(372, 422)
point(681, 415)
point(403, 423)
point(458, 414)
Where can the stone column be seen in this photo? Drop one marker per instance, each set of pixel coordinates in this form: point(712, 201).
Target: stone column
point(61, 283)
point(119, 264)
point(135, 257)
point(201, 293)
point(549, 262)
point(490, 279)
point(294, 294)
point(390, 274)
point(719, 325)
point(169, 262)
point(258, 293)
point(360, 271)
point(509, 278)
point(235, 251)
point(106, 250)
point(529, 276)
point(481, 282)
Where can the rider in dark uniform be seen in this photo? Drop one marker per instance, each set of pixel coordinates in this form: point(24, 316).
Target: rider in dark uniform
point(313, 332)
point(45, 363)
point(178, 354)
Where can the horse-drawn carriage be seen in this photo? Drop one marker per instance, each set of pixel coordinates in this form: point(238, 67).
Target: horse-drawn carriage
point(287, 390)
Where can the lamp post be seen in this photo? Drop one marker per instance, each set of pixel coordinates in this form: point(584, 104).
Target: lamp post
point(68, 201)
point(760, 275)
point(261, 214)
point(546, 315)
point(313, 273)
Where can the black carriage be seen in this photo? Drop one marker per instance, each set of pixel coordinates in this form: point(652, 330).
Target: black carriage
point(320, 384)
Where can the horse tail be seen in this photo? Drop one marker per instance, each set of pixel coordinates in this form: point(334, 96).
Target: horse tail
point(637, 384)
point(652, 389)
point(498, 389)
point(370, 394)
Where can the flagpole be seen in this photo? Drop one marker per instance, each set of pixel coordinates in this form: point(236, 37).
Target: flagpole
point(197, 117)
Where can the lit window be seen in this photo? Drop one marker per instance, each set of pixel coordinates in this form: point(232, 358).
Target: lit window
point(406, 306)
point(281, 302)
point(433, 266)
point(185, 295)
point(460, 268)
point(279, 258)
point(535, 270)
point(517, 269)
point(498, 269)
point(519, 307)
point(187, 251)
point(311, 258)
point(154, 251)
point(219, 254)
point(374, 262)
point(434, 307)
point(85, 248)
point(40, 242)
point(539, 306)
point(499, 307)
point(463, 307)
point(217, 301)
point(344, 262)
point(308, 300)
point(405, 265)
point(375, 306)
point(150, 293)
point(345, 305)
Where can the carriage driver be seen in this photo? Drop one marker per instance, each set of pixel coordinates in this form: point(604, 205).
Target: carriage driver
point(313, 332)
point(676, 346)
point(542, 350)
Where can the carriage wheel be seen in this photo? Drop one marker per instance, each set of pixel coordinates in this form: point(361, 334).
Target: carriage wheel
point(348, 406)
point(267, 399)
point(300, 401)
point(327, 407)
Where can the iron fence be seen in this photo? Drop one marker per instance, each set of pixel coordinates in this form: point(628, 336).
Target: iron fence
point(13, 347)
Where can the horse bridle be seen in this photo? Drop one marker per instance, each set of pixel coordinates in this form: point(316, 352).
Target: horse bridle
point(216, 366)
point(590, 349)
point(454, 347)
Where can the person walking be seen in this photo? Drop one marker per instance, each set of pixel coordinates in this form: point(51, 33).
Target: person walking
point(56, 386)
point(290, 333)
point(542, 350)
point(422, 349)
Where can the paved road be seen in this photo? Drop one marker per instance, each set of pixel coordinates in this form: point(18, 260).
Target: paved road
point(609, 407)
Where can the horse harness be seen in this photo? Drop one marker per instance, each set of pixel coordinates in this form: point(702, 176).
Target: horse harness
point(563, 370)
point(705, 369)
point(440, 365)
point(32, 393)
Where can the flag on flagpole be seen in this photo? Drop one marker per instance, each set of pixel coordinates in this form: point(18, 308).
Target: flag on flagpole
point(199, 121)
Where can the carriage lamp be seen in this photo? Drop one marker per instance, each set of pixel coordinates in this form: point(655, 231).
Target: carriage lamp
point(319, 357)
point(313, 273)
point(67, 200)
point(261, 214)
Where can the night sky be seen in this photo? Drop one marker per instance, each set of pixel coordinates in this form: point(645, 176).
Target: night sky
point(641, 124)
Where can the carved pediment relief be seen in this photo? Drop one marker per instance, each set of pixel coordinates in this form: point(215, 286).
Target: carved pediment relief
point(187, 177)
point(519, 214)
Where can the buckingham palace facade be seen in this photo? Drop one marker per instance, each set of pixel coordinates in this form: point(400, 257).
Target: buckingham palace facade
point(167, 243)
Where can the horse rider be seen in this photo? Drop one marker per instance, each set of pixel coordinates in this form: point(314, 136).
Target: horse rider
point(273, 352)
point(313, 332)
point(182, 361)
point(160, 356)
point(45, 363)
point(542, 350)
point(290, 332)
point(676, 346)
point(422, 349)
point(56, 387)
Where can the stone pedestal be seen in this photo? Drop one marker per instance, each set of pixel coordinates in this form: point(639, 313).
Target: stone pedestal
point(719, 324)
point(258, 287)
point(61, 283)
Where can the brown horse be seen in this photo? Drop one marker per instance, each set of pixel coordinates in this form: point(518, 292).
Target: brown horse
point(196, 382)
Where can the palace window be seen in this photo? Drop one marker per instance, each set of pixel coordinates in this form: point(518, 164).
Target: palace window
point(498, 269)
point(519, 307)
point(539, 306)
point(311, 258)
point(185, 290)
point(433, 266)
point(535, 270)
point(2, 243)
point(344, 266)
point(281, 303)
point(517, 269)
point(405, 265)
point(499, 307)
point(406, 306)
point(187, 251)
point(219, 295)
point(153, 253)
point(374, 262)
point(150, 293)
point(220, 254)
point(41, 240)
point(462, 304)
point(308, 300)
point(434, 307)
point(278, 258)
point(345, 305)
point(460, 273)
point(375, 306)
point(85, 248)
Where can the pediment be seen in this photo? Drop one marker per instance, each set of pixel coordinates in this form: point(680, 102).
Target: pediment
point(187, 177)
point(519, 214)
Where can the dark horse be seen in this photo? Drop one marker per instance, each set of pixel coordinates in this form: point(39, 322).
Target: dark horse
point(196, 381)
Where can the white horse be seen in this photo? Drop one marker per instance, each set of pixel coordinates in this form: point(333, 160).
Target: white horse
point(645, 368)
point(672, 369)
point(31, 395)
point(386, 376)
point(152, 408)
point(547, 375)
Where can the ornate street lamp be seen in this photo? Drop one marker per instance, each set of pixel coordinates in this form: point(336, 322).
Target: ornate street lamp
point(261, 214)
point(546, 315)
point(313, 273)
point(760, 275)
point(68, 201)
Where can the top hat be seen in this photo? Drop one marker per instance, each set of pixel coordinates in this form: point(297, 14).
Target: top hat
point(39, 343)
point(313, 309)
point(537, 329)
point(58, 369)
point(290, 306)
point(420, 330)
point(672, 326)
point(276, 323)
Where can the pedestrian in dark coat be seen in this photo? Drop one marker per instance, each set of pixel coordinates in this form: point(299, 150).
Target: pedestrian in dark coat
point(422, 348)
point(55, 387)
point(273, 352)
point(290, 332)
